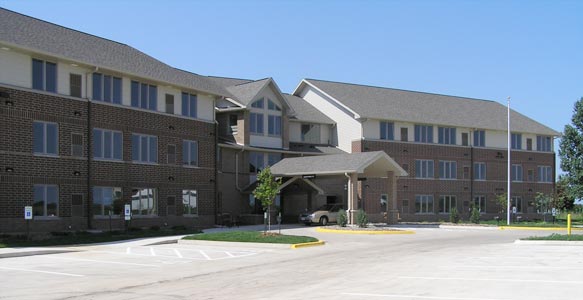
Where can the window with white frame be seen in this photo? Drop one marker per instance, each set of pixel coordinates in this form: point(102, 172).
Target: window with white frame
point(424, 168)
point(545, 174)
point(516, 173)
point(516, 141)
point(190, 153)
point(446, 203)
point(447, 169)
point(256, 123)
point(274, 125)
point(446, 135)
point(144, 95)
point(107, 200)
point(480, 171)
point(189, 204)
point(189, 105)
point(107, 88)
point(107, 144)
point(423, 204)
point(45, 138)
point(424, 133)
point(310, 133)
point(543, 143)
point(144, 148)
point(516, 201)
point(44, 75)
point(46, 200)
point(384, 201)
point(479, 138)
point(258, 104)
point(480, 203)
point(387, 131)
point(144, 202)
point(272, 106)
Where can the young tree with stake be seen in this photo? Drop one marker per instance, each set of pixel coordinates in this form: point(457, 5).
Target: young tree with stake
point(266, 191)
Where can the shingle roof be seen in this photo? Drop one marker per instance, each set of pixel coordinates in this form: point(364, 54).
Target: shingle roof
point(51, 39)
point(246, 92)
point(306, 112)
point(321, 149)
point(227, 81)
point(419, 107)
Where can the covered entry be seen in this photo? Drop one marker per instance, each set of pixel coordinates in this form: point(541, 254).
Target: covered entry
point(353, 166)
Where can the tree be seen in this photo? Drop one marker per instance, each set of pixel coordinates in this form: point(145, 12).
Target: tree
point(266, 191)
point(502, 202)
point(563, 199)
point(543, 204)
point(571, 152)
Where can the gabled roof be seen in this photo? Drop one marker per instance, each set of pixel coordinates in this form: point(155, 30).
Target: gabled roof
point(227, 81)
point(36, 35)
point(426, 108)
point(373, 164)
point(306, 112)
point(246, 92)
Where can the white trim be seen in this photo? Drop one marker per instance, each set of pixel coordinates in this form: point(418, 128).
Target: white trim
point(355, 114)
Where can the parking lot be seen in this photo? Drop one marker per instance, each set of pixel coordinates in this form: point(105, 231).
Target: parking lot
point(431, 264)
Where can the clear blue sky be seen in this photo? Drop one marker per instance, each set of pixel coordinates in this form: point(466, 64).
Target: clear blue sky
point(529, 50)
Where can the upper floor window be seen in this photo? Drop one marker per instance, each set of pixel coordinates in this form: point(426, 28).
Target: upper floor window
point(256, 123)
point(169, 104)
point(144, 95)
point(310, 133)
point(424, 168)
point(424, 133)
point(387, 131)
point(45, 138)
point(480, 171)
point(75, 85)
point(189, 103)
point(447, 169)
point(446, 135)
point(545, 174)
point(479, 138)
point(46, 200)
point(274, 125)
point(106, 88)
point(258, 104)
point(272, 106)
point(144, 148)
point(190, 153)
point(516, 141)
point(516, 173)
point(44, 75)
point(543, 143)
point(107, 144)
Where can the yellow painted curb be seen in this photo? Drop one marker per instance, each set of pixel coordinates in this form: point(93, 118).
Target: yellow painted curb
point(310, 244)
point(537, 228)
point(364, 231)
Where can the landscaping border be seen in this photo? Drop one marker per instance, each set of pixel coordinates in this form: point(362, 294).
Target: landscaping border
point(373, 232)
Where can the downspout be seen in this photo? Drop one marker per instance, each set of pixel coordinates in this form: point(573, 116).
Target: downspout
point(237, 170)
point(472, 170)
point(89, 152)
point(349, 188)
point(216, 183)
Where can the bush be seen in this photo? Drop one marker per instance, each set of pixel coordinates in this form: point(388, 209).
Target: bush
point(179, 228)
point(475, 215)
point(454, 216)
point(361, 218)
point(342, 218)
point(155, 228)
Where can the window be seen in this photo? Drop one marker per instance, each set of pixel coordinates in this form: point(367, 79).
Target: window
point(272, 106)
point(516, 141)
point(274, 125)
point(446, 135)
point(169, 104)
point(529, 144)
point(107, 144)
point(480, 203)
point(44, 75)
point(516, 173)
point(106, 88)
point(76, 145)
point(465, 139)
point(171, 154)
point(233, 119)
point(384, 201)
point(446, 203)
point(144, 95)
point(190, 153)
point(466, 172)
point(256, 123)
point(447, 169)
point(543, 143)
point(107, 200)
point(480, 171)
point(75, 85)
point(545, 174)
point(424, 204)
point(189, 103)
point(144, 148)
point(258, 103)
point(387, 131)
point(530, 174)
point(45, 138)
point(273, 158)
point(479, 138)
point(404, 134)
point(144, 202)
point(311, 133)
point(423, 133)
point(516, 202)
point(256, 162)
point(424, 168)
point(46, 200)
point(189, 202)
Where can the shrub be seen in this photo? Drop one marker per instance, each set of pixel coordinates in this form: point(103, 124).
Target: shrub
point(342, 218)
point(155, 228)
point(361, 218)
point(475, 215)
point(134, 229)
point(454, 216)
point(179, 228)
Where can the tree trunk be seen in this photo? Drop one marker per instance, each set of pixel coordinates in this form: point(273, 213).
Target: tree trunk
point(268, 218)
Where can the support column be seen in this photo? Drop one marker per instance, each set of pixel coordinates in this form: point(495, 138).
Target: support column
point(352, 197)
point(393, 211)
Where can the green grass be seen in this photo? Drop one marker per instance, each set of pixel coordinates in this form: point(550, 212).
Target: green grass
point(556, 237)
point(251, 237)
point(63, 239)
point(558, 223)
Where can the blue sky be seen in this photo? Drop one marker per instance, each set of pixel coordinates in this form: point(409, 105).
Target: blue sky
point(529, 50)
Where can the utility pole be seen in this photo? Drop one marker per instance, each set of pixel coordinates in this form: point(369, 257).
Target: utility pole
point(509, 165)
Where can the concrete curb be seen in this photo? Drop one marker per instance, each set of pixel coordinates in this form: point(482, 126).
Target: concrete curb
point(234, 244)
point(33, 253)
point(372, 232)
point(553, 243)
point(538, 228)
point(311, 244)
point(462, 227)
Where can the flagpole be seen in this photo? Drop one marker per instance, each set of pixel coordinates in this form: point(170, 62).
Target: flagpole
point(509, 165)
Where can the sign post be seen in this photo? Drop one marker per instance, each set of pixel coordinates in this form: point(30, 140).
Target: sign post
point(28, 217)
point(127, 214)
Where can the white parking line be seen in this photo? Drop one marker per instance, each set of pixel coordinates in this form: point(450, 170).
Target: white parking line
point(128, 250)
point(204, 254)
point(177, 253)
point(152, 252)
point(511, 267)
point(229, 254)
point(44, 272)
point(492, 279)
point(107, 262)
point(416, 296)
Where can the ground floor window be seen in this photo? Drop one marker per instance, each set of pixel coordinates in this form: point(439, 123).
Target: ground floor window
point(446, 203)
point(144, 202)
point(424, 204)
point(480, 203)
point(516, 202)
point(384, 200)
point(189, 202)
point(46, 200)
point(107, 200)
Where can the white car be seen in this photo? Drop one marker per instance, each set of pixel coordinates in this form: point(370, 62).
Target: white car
point(322, 215)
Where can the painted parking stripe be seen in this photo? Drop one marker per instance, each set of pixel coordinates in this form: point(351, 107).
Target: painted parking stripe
point(204, 254)
point(107, 262)
point(417, 296)
point(44, 272)
point(492, 279)
point(178, 253)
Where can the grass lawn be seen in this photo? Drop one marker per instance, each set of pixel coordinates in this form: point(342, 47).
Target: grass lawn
point(556, 237)
point(251, 237)
point(63, 239)
point(558, 223)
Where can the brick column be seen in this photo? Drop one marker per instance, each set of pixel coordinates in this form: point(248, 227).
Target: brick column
point(393, 212)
